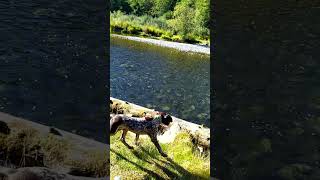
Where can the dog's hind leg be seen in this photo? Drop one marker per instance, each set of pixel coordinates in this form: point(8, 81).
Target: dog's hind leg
point(156, 143)
point(137, 139)
point(123, 139)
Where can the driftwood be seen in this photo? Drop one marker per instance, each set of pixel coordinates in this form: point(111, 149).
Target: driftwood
point(200, 135)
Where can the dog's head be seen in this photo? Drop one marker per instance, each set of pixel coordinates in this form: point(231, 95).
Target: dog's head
point(166, 119)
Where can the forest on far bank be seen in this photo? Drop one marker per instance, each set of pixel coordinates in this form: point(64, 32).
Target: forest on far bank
point(173, 20)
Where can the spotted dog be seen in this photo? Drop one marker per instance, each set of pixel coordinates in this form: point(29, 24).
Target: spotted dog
point(144, 126)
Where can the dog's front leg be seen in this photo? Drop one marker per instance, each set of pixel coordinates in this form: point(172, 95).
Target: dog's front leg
point(154, 139)
point(137, 139)
point(123, 139)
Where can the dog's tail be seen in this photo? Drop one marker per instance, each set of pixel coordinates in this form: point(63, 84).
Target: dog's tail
point(115, 122)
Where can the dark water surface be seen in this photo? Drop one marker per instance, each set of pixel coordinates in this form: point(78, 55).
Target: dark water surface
point(267, 85)
point(53, 63)
point(161, 78)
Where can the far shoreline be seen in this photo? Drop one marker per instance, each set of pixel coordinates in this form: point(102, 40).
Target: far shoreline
point(193, 48)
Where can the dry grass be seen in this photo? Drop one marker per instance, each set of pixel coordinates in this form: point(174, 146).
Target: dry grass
point(96, 164)
point(25, 147)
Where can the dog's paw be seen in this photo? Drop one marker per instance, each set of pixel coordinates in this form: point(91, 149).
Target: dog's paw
point(130, 147)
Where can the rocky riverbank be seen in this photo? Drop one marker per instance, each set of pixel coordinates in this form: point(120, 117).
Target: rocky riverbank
point(175, 45)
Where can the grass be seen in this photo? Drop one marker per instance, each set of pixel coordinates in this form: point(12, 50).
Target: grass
point(96, 164)
point(144, 161)
point(25, 147)
point(55, 150)
point(150, 27)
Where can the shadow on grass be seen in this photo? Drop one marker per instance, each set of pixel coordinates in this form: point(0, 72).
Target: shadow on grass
point(157, 176)
point(177, 172)
point(184, 174)
point(167, 171)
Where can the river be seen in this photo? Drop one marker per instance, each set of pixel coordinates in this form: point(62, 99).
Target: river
point(161, 78)
point(52, 63)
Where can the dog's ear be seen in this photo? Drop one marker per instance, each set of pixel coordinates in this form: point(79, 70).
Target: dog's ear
point(169, 118)
point(163, 114)
point(166, 119)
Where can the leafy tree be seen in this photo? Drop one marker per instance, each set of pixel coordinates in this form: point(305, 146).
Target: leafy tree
point(141, 7)
point(162, 7)
point(191, 17)
point(201, 18)
point(183, 17)
point(122, 5)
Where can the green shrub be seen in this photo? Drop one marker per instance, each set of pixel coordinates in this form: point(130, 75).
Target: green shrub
point(144, 34)
point(177, 38)
point(165, 37)
point(189, 38)
point(153, 31)
point(134, 30)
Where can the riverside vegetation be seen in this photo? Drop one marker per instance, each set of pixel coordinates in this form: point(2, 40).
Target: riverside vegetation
point(173, 20)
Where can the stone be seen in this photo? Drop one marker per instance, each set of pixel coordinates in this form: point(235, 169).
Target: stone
point(55, 132)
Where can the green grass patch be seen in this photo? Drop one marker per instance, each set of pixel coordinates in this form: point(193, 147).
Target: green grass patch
point(144, 161)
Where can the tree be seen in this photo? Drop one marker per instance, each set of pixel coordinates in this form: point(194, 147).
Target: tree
point(122, 5)
point(191, 17)
point(183, 17)
point(141, 7)
point(201, 18)
point(163, 6)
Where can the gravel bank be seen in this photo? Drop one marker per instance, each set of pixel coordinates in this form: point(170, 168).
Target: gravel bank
point(179, 46)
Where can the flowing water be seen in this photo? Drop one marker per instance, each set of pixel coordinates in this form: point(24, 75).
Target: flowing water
point(161, 78)
point(53, 64)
